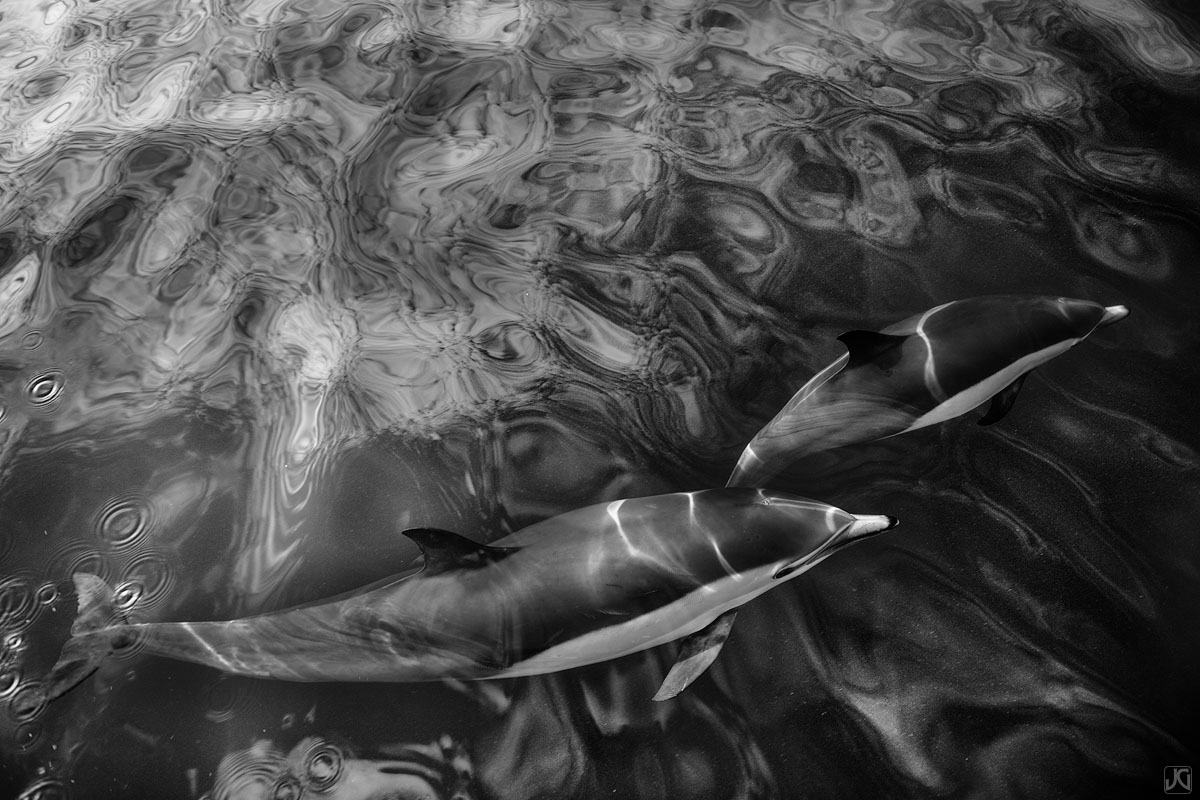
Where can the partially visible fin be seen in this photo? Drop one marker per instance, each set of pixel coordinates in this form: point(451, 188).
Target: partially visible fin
point(445, 551)
point(78, 660)
point(1002, 402)
point(96, 608)
point(871, 346)
point(492, 696)
point(696, 653)
point(83, 653)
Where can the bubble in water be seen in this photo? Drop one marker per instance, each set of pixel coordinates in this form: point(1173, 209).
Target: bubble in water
point(32, 340)
point(123, 521)
point(18, 604)
point(43, 390)
point(322, 766)
point(10, 681)
point(47, 594)
point(287, 788)
point(28, 702)
point(152, 577)
point(29, 736)
point(126, 595)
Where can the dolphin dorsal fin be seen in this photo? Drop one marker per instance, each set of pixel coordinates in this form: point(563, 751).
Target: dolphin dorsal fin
point(867, 346)
point(445, 551)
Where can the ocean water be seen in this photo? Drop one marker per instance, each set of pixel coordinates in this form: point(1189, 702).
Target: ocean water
point(281, 279)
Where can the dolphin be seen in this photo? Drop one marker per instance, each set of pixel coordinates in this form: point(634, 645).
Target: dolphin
point(927, 369)
point(583, 587)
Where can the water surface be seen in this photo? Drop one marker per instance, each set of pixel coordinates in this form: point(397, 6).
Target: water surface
point(280, 279)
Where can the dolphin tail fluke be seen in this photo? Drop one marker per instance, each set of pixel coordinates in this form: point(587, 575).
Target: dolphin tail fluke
point(84, 652)
point(96, 604)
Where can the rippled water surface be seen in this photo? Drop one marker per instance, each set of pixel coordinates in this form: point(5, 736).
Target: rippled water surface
point(281, 279)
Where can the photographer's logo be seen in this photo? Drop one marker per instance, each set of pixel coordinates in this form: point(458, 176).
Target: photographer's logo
point(1177, 780)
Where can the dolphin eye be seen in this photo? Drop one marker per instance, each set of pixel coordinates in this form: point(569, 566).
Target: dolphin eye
point(286, 788)
point(323, 767)
point(785, 571)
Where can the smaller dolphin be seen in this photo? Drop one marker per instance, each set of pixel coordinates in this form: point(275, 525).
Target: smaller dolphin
point(587, 586)
point(927, 369)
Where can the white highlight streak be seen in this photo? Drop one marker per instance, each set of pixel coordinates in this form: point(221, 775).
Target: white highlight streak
point(225, 663)
point(725, 565)
point(613, 510)
point(830, 516)
point(931, 380)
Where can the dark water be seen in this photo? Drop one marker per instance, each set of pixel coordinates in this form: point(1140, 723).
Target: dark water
point(279, 280)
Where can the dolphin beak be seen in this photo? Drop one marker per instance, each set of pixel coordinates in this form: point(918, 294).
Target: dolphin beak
point(863, 525)
point(867, 524)
point(1113, 314)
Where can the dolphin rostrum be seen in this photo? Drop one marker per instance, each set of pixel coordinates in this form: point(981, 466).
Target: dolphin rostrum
point(927, 369)
point(583, 587)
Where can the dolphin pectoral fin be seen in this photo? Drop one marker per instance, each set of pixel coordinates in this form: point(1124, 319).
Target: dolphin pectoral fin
point(1002, 402)
point(868, 346)
point(445, 551)
point(696, 653)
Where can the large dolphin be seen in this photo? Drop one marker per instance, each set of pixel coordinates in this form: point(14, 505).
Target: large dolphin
point(580, 588)
point(927, 369)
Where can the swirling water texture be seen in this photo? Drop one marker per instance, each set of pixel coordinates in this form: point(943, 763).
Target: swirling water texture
point(278, 279)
